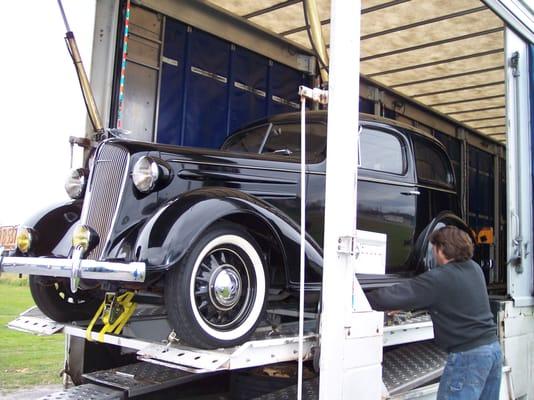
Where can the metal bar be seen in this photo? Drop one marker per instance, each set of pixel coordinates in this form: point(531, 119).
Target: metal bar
point(302, 28)
point(160, 74)
point(434, 63)
point(274, 7)
point(482, 85)
point(446, 103)
point(434, 43)
point(491, 126)
point(496, 134)
point(482, 119)
point(383, 6)
point(425, 22)
point(440, 78)
point(476, 110)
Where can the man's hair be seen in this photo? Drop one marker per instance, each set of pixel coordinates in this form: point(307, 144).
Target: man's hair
point(455, 243)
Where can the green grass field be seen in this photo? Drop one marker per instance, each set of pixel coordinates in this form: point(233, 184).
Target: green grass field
point(25, 359)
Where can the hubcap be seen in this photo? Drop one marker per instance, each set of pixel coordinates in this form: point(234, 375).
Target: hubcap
point(223, 291)
point(226, 287)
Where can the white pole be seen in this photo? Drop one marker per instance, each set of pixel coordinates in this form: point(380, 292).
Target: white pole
point(302, 238)
point(341, 193)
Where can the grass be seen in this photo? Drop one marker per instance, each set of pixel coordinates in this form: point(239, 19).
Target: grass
point(25, 359)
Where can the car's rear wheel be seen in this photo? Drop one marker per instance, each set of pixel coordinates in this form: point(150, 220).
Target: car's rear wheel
point(55, 299)
point(216, 296)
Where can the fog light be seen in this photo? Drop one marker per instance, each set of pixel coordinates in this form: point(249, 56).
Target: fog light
point(24, 239)
point(85, 238)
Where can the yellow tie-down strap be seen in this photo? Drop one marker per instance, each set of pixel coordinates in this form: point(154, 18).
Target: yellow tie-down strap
point(123, 301)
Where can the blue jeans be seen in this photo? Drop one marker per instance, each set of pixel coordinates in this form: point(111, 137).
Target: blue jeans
point(472, 375)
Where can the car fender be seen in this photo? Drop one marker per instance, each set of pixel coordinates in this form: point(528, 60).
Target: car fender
point(51, 226)
point(166, 237)
point(422, 255)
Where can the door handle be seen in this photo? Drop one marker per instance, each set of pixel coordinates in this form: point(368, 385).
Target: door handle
point(411, 193)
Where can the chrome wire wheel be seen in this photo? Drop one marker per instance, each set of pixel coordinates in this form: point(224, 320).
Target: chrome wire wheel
point(223, 288)
point(228, 289)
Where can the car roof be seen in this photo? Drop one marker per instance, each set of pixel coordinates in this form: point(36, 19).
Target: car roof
point(321, 115)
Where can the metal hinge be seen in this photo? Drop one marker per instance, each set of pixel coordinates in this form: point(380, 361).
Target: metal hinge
point(347, 245)
point(514, 64)
point(317, 95)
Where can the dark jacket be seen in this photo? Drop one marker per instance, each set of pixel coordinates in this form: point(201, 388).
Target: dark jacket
point(455, 294)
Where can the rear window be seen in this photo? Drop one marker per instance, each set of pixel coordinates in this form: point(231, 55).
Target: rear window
point(280, 140)
point(432, 163)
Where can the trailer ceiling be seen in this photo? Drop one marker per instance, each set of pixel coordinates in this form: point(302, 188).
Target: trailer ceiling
point(447, 55)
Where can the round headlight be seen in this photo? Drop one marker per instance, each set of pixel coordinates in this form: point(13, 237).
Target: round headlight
point(145, 174)
point(75, 183)
point(24, 239)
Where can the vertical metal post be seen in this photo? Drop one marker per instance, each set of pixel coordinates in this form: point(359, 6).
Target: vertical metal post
point(351, 343)
point(519, 177)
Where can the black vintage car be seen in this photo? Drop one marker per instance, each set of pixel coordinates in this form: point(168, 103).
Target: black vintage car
point(213, 232)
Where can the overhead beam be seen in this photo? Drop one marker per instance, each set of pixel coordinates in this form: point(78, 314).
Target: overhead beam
point(272, 8)
point(434, 63)
point(477, 110)
point(482, 85)
point(440, 78)
point(447, 103)
point(481, 119)
point(492, 126)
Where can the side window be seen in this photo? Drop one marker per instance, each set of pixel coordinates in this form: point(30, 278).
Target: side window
point(248, 141)
point(382, 151)
point(432, 163)
point(285, 140)
point(280, 140)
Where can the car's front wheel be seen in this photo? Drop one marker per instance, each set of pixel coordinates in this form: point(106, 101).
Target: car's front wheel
point(216, 296)
point(55, 299)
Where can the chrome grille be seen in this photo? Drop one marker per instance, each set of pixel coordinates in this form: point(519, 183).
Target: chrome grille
point(107, 181)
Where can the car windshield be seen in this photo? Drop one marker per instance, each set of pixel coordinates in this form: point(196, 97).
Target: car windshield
point(282, 139)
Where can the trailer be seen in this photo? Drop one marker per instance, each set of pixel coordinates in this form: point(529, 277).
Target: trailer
point(462, 72)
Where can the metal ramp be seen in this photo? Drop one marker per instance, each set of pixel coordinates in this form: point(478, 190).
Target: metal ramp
point(130, 381)
point(165, 362)
point(412, 366)
point(403, 369)
point(147, 332)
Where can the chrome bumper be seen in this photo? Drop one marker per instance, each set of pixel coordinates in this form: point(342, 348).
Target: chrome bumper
point(74, 268)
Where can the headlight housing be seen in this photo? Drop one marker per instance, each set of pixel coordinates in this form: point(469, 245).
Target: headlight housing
point(25, 238)
point(75, 183)
point(145, 174)
point(85, 238)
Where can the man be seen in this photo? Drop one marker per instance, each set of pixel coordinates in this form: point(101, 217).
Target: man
point(455, 295)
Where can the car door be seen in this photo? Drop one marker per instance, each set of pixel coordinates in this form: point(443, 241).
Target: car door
point(387, 195)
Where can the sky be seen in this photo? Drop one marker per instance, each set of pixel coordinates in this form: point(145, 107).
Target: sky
point(41, 102)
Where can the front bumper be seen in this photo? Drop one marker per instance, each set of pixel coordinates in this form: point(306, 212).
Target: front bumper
point(74, 268)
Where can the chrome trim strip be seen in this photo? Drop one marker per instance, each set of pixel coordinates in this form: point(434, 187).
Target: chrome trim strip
point(436, 188)
point(63, 267)
point(177, 160)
